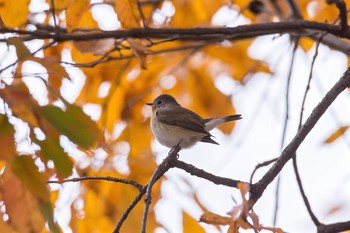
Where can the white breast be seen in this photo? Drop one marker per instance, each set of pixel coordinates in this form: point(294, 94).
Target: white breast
point(170, 135)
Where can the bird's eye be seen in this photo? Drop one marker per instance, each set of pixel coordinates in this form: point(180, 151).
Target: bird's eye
point(159, 102)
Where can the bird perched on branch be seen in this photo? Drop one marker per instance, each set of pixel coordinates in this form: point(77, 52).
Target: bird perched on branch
point(174, 125)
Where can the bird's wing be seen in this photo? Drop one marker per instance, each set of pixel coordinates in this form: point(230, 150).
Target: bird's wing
point(182, 117)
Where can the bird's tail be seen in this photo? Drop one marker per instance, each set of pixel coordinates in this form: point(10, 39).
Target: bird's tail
point(211, 123)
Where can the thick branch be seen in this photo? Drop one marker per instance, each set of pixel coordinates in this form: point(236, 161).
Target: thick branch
point(335, 227)
point(258, 188)
point(241, 32)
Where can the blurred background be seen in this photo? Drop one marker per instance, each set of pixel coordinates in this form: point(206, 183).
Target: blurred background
point(76, 108)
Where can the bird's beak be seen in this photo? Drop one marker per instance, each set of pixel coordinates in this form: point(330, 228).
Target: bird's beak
point(150, 104)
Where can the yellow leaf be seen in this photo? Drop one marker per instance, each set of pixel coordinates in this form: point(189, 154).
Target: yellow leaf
point(78, 15)
point(190, 224)
point(306, 43)
point(194, 13)
point(60, 5)
point(128, 13)
point(14, 13)
point(337, 134)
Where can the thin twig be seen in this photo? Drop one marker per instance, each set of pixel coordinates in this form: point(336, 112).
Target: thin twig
point(260, 165)
point(53, 9)
point(285, 124)
point(295, 163)
point(107, 178)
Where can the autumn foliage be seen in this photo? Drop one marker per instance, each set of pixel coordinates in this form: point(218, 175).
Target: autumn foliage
point(65, 57)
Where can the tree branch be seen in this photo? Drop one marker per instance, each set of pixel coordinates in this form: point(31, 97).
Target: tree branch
point(107, 178)
point(335, 227)
point(259, 187)
point(205, 175)
point(161, 169)
point(239, 32)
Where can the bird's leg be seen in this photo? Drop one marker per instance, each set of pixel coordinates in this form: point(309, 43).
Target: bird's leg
point(175, 149)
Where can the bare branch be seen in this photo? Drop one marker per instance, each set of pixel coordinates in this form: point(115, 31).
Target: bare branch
point(259, 187)
point(161, 169)
point(241, 32)
point(107, 178)
point(205, 175)
point(336, 227)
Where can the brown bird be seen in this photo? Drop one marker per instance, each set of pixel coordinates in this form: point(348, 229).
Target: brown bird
point(172, 124)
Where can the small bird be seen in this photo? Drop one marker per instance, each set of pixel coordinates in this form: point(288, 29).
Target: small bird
point(174, 125)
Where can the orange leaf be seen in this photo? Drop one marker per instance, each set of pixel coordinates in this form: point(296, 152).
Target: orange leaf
point(211, 102)
point(194, 13)
point(190, 224)
point(235, 56)
point(139, 51)
point(7, 139)
point(14, 13)
point(215, 219)
point(20, 101)
point(338, 133)
point(128, 13)
point(23, 166)
point(21, 205)
point(79, 16)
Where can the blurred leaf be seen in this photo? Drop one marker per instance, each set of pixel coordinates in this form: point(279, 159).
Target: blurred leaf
point(52, 67)
point(337, 134)
point(73, 123)
point(194, 13)
point(52, 150)
point(306, 43)
point(237, 59)
point(5, 226)
point(96, 47)
point(21, 206)
point(128, 13)
point(14, 13)
point(78, 15)
point(47, 211)
point(211, 102)
point(190, 224)
point(139, 50)
point(59, 5)
point(52, 62)
point(21, 102)
point(23, 166)
point(7, 139)
point(214, 219)
point(21, 50)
